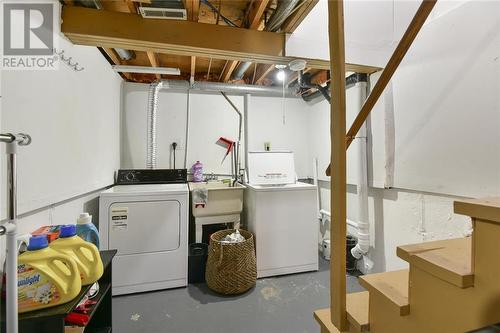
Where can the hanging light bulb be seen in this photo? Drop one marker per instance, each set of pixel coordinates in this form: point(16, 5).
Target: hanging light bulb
point(281, 75)
point(281, 72)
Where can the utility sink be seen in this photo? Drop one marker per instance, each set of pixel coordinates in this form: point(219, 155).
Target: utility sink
point(223, 199)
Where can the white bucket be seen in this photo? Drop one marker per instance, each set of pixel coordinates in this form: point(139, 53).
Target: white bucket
point(326, 249)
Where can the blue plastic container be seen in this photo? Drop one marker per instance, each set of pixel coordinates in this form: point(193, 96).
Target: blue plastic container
point(86, 229)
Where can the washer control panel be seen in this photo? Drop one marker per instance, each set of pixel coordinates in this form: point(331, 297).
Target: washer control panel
point(151, 176)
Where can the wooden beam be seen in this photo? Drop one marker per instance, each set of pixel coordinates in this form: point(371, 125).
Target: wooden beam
point(416, 24)
point(338, 226)
point(116, 60)
point(257, 8)
point(298, 16)
point(93, 27)
point(289, 26)
point(192, 9)
point(262, 72)
point(85, 26)
point(131, 6)
point(154, 62)
point(254, 18)
point(229, 68)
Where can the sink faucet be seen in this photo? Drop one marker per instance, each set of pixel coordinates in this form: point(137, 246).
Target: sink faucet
point(210, 177)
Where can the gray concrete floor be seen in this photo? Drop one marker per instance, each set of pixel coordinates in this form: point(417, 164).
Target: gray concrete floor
point(275, 305)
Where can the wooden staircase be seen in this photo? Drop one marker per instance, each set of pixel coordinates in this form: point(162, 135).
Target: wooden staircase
point(451, 286)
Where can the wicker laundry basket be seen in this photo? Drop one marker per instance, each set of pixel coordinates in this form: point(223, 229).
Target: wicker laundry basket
point(231, 268)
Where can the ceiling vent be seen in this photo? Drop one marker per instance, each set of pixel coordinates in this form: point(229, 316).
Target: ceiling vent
point(163, 13)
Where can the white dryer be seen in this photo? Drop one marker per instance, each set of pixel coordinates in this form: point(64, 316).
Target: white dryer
point(148, 225)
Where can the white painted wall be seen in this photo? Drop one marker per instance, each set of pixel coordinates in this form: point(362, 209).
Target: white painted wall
point(74, 120)
point(447, 102)
point(372, 29)
point(286, 129)
point(434, 134)
point(211, 117)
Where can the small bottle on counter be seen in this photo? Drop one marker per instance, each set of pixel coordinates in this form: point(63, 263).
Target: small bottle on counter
point(197, 171)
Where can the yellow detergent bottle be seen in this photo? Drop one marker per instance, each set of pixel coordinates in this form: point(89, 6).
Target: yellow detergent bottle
point(85, 254)
point(45, 277)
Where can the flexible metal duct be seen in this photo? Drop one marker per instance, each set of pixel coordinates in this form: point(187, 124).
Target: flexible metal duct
point(304, 81)
point(233, 89)
point(284, 9)
point(242, 89)
point(350, 81)
point(154, 89)
point(229, 88)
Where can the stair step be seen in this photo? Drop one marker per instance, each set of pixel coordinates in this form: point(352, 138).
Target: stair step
point(449, 260)
point(357, 310)
point(405, 251)
point(485, 209)
point(357, 314)
point(324, 319)
point(393, 285)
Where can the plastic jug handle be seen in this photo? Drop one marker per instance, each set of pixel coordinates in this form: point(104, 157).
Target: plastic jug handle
point(70, 264)
point(96, 256)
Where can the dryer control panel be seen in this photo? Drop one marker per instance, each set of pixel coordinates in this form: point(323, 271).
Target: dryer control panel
point(151, 176)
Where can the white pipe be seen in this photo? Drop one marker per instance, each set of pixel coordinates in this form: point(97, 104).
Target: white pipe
point(363, 231)
point(315, 182)
point(246, 109)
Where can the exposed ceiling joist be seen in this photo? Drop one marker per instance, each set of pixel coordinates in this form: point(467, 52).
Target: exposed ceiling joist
point(192, 9)
point(92, 27)
point(114, 57)
point(257, 8)
point(289, 26)
point(231, 67)
point(228, 70)
point(131, 6)
point(262, 72)
point(256, 12)
point(154, 62)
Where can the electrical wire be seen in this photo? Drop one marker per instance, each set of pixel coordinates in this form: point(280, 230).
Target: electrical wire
point(217, 11)
point(174, 146)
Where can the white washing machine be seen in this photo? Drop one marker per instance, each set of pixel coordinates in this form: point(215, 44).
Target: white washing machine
point(282, 214)
point(147, 223)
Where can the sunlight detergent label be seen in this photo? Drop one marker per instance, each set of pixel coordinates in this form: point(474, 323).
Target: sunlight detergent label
point(35, 290)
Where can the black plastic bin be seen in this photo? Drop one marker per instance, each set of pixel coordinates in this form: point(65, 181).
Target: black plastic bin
point(350, 260)
point(197, 261)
